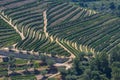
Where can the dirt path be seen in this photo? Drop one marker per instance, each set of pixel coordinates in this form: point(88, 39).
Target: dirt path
point(9, 22)
point(67, 63)
point(45, 23)
point(54, 75)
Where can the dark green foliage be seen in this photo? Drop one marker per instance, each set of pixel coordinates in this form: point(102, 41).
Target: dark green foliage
point(98, 68)
point(71, 77)
point(118, 7)
point(115, 70)
point(106, 6)
point(112, 6)
point(52, 79)
point(115, 54)
point(25, 77)
point(115, 63)
point(78, 66)
point(50, 62)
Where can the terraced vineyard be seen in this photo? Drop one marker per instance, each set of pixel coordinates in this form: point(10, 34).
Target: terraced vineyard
point(8, 36)
point(29, 21)
point(100, 32)
point(63, 12)
point(46, 25)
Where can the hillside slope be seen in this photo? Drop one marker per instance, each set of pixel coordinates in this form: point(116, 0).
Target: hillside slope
point(100, 32)
point(29, 20)
point(46, 25)
point(8, 36)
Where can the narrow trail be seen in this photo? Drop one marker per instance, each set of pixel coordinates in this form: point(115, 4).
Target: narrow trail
point(20, 33)
point(72, 55)
point(54, 75)
point(9, 22)
point(45, 23)
point(67, 63)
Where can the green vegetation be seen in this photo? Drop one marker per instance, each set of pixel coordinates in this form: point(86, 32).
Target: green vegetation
point(98, 32)
point(106, 6)
point(59, 13)
point(8, 36)
point(99, 67)
point(30, 22)
point(27, 77)
point(88, 29)
point(28, 69)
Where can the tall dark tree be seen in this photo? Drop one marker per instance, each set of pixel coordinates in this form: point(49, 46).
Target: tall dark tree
point(118, 7)
point(100, 63)
point(50, 62)
point(115, 70)
point(112, 6)
point(115, 54)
